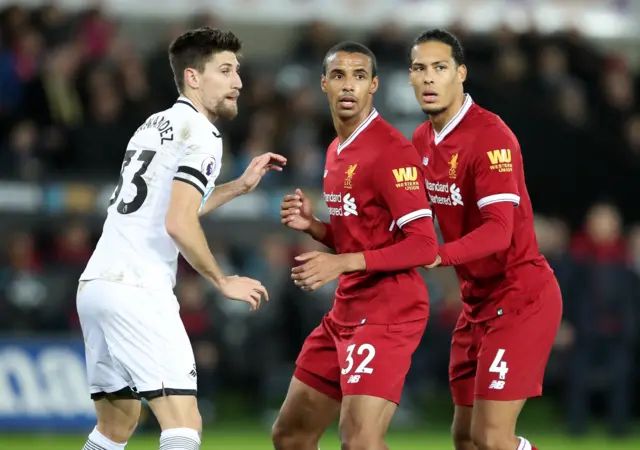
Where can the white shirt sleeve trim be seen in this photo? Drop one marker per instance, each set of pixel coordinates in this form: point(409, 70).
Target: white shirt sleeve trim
point(497, 198)
point(402, 221)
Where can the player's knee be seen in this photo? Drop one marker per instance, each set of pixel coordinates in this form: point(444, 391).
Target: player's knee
point(360, 438)
point(286, 435)
point(492, 439)
point(117, 431)
point(462, 438)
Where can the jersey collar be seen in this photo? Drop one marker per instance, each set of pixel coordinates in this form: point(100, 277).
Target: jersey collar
point(358, 130)
point(453, 123)
point(182, 100)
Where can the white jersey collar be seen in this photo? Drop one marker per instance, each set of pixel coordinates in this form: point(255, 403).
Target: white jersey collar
point(455, 120)
point(358, 130)
point(182, 100)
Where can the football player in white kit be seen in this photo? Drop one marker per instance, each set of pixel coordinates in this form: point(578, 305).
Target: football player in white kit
point(136, 344)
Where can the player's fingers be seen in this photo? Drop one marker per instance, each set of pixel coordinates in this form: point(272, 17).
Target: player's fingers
point(275, 157)
point(257, 298)
point(317, 285)
point(263, 292)
point(252, 303)
point(273, 167)
point(291, 204)
point(290, 197)
point(300, 194)
point(307, 256)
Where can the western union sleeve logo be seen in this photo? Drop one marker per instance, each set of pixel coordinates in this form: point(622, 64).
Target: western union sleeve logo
point(406, 178)
point(405, 174)
point(499, 156)
point(500, 160)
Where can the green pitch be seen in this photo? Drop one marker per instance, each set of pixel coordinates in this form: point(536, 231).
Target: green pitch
point(255, 439)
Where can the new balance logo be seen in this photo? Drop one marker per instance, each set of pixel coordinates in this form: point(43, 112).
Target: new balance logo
point(350, 208)
point(499, 156)
point(497, 385)
point(353, 379)
point(405, 174)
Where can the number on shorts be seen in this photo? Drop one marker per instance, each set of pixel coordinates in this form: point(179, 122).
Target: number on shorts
point(363, 367)
point(498, 365)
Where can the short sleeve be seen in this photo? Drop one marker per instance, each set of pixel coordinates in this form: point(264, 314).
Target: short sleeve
point(400, 182)
point(199, 165)
point(496, 165)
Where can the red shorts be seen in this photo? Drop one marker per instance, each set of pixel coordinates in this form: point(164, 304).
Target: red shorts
point(505, 358)
point(366, 359)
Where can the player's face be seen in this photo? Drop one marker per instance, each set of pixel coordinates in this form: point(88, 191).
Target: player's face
point(349, 84)
point(220, 85)
point(436, 78)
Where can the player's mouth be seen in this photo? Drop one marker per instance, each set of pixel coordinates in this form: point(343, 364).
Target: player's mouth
point(347, 102)
point(233, 97)
point(429, 96)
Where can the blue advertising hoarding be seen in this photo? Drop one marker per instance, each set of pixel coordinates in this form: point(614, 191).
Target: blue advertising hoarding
point(43, 385)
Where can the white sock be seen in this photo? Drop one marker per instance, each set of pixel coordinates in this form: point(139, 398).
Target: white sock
point(180, 439)
point(97, 441)
point(524, 444)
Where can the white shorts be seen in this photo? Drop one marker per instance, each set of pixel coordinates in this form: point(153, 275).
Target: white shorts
point(134, 341)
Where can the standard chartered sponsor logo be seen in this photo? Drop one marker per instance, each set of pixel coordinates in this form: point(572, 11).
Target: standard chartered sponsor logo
point(454, 198)
point(346, 206)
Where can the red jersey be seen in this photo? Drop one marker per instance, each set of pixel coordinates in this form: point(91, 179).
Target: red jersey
point(372, 188)
point(475, 161)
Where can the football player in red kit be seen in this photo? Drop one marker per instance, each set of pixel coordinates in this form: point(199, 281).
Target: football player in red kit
point(512, 303)
point(354, 364)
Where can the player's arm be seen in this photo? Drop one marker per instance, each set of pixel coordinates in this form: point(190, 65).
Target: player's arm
point(246, 183)
point(183, 226)
point(296, 213)
point(495, 165)
point(400, 185)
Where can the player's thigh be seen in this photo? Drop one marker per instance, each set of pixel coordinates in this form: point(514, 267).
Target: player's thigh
point(364, 421)
point(304, 416)
point(375, 359)
point(313, 400)
point(117, 416)
point(493, 424)
point(95, 302)
point(463, 361)
point(147, 337)
point(516, 346)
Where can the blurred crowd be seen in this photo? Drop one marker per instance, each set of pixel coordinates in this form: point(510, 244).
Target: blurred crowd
point(73, 88)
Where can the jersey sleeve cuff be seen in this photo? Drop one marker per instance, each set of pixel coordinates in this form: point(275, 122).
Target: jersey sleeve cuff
point(413, 216)
point(497, 198)
point(193, 177)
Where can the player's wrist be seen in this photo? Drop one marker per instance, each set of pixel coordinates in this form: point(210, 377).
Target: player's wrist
point(353, 262)
point(239, 187)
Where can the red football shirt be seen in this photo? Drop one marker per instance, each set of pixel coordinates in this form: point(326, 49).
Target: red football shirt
point(473, 162)
point(372, 188)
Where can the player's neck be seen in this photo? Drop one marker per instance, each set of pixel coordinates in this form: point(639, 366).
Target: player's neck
point(441, 120)
point(199, 106)
point(345, 128)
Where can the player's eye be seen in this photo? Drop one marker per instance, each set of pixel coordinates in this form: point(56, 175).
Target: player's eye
point(441, 68)
point(418, 69)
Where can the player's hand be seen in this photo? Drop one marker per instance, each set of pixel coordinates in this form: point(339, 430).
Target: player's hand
point(244, 289)
point(318, 269)
point(435, 264)
point(296, 211)
point(258, 168)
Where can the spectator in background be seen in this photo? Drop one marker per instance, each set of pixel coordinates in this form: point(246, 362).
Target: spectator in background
point(600, 309)
point(197, 315)
point(20, 154)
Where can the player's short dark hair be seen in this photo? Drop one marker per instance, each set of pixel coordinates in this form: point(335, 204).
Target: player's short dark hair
point(195, 48)
point(446, 38)
point(351, 47)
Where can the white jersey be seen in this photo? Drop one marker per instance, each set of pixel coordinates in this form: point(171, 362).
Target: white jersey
point(177, 144)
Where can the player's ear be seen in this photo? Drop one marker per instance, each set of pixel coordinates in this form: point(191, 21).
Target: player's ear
point(323, 83)
point(191, 78)
point(374, 85)
point(462, 73)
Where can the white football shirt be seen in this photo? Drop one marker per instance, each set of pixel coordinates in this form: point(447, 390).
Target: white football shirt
point(177, 144)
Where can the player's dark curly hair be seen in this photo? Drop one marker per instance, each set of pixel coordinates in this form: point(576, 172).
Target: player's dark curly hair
point(195, 48)
point(351, 47)
point(446, 38)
